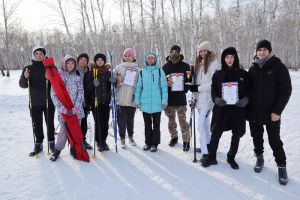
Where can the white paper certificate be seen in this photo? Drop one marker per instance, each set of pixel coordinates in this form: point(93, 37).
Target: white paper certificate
point(178, 82)
point(230, 92)
point(129, 78)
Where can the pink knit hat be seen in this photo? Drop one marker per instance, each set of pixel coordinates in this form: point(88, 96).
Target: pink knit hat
point(130, 52)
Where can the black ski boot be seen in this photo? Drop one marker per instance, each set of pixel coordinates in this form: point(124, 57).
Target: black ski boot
point(282, 175)
point(211, 160)
point(52, 146)
point(204, 157)
point(230, 160)
point(173, 142)
point(87, 145)
point(38, 147)
point(259, 163)
point(55, 155)
point(186, 146)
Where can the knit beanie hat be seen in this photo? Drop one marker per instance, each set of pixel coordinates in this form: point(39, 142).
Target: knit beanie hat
point(82, 55)
point(129, 52)
point(100, 55)
point(205, 45)
point(264, 44)
point(176, 48)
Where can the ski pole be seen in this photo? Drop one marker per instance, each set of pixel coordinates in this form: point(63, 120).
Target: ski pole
point(193, 113)
point(47, 114)
point(32, 123)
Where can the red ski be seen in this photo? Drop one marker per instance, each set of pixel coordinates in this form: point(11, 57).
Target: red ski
point(74, 133)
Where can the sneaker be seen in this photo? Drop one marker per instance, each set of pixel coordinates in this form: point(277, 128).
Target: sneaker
point(282, 175)
point(131, 141)
point(153, 148)
point(52, 146)
point(208, 162)
point(55, 155)
point(186, 146)
point(146, 147)
point(38, 147)
point(87, 145)
point(259, 163)
point(173, 142)
point(204, 157)
point(232, 163)
point(123, 145)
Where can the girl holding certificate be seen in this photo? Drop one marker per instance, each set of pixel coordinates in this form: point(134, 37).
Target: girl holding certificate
point(229, 91)
point(126, 74)
point(205, 67)
point(151, 96)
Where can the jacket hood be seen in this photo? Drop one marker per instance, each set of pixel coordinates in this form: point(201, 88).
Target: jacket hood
point(230, 51)
point(156, 58)
point(64, 62)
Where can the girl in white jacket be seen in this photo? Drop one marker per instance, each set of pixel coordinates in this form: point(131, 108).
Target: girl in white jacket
point(206, 65)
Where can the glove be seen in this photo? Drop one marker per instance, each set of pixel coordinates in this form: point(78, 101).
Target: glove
point(194, 88)
point(68, 111)
point(242, 102)
point(96, 82)
point(220, 102)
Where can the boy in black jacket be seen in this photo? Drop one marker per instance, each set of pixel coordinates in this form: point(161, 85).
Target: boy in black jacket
point(35, 75)
point(270, 93)
point(228, 114)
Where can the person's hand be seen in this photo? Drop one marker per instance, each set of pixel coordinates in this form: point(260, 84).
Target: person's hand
point(275, 117)
point(220, 102)
point(242, 102)
point(194, 88)
point(26, 73)
point(119, 79)
point(96, 82)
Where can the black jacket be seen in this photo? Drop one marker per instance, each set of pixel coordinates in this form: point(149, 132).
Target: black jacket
point(103, 91)
point(177, 98)
point(271, 90)
point(37, 83)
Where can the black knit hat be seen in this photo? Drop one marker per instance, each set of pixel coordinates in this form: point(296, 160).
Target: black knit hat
point(264, 44)
point(83, 55)
point(176, 48)
point(230, 51)
point(41, 50)
point(100, 55)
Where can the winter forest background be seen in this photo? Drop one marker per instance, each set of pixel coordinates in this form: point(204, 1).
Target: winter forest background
point(89, 26)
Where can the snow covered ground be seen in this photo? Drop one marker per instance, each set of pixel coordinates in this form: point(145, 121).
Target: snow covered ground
point(133, 173)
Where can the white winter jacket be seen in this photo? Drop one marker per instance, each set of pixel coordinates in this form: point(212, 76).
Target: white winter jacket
point(204, 100)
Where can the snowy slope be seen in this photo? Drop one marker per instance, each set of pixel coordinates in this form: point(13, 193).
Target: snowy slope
point(133, 173)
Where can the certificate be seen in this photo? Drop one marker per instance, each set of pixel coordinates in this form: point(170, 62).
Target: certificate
point(230, 92)
point(130, 76)
point(178, 82)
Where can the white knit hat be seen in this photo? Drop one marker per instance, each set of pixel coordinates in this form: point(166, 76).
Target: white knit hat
point(205, 45)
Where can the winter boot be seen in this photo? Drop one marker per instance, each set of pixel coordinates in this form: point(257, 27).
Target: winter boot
point(146, 147)
point(55, 155)
point(38, 147)
point(131, 141)
point(204, 157)
point(259, 163)
point(211, 160)
point(186, 146)
point(282, 175)
point(105, 146)
point(173, 142)
point(123, 145)
point(87, 145)
point(52, 146)
point(153, 148)
point(230, 160)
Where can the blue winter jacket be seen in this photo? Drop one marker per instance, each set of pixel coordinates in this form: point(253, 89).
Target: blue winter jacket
point(151, 92)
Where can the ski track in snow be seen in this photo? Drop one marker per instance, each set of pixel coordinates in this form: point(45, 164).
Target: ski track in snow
point(133, 173)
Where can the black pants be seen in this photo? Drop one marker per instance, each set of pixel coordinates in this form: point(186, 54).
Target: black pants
point(37, 118)
point(152, 133)
point(273, 131)
point(84, 125)
point(101, 117)
point(126, 120)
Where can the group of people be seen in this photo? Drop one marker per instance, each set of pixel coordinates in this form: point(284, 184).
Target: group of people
point(232, 94)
